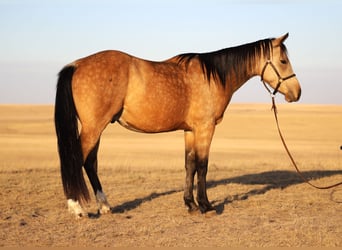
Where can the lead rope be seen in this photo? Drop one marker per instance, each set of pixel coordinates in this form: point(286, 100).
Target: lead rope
point(274, 108)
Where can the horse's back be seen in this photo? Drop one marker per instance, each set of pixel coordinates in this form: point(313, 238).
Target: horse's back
point(103, 56)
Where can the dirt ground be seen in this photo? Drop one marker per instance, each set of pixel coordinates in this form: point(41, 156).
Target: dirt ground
point(259, 198)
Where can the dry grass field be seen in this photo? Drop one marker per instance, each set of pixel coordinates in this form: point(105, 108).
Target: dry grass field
point(259, 198)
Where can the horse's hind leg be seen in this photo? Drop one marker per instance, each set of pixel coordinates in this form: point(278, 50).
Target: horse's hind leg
point(90, 166)
point(190, 168)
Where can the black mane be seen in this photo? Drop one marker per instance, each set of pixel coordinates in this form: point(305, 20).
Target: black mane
point(230, 63)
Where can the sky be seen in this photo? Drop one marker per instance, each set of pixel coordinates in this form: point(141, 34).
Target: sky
point(39, 37)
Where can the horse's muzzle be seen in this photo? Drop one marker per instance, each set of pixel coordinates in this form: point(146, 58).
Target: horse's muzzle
point(293, 96)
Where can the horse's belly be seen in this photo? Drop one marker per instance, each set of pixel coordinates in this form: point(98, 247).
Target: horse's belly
point(150, 123)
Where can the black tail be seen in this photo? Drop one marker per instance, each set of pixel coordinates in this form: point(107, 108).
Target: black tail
point(69, 146)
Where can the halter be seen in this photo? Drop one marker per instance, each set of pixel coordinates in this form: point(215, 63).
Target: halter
point(280, 79)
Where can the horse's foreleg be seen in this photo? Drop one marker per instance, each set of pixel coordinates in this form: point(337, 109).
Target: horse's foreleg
point(203, 137)
point(91, 170)
point(190, 168)
point(202, 198)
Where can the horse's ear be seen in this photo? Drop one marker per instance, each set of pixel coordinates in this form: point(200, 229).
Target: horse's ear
point(280, 40)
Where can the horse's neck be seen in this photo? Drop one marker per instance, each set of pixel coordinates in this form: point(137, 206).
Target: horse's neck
point(253, 67)
point(238, 82)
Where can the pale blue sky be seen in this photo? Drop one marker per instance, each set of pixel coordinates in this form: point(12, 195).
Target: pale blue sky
point(39, 37)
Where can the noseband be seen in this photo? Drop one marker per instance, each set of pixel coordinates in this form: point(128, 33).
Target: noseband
point(280, 79)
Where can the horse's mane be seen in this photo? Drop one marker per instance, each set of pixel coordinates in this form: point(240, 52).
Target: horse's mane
point(232, 62)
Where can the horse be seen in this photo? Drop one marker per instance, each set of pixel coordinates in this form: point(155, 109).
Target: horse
point(188, 92)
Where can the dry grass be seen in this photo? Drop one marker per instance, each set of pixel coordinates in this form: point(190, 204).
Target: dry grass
point(260, 200)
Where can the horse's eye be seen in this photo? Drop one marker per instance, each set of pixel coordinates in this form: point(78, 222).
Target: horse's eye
point(283, 61)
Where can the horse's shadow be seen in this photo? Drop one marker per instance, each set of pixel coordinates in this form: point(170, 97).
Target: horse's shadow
point(278, 179)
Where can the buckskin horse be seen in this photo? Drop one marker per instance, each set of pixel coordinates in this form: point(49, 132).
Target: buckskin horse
point(187, 92)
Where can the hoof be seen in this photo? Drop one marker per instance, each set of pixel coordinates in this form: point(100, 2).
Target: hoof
point(75, 208)
point(102, 202)
point(193, 210)
point(192, 207)
point(205, 208)
point(104, 209)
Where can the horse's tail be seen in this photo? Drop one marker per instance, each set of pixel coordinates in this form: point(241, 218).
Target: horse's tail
point(69, 146)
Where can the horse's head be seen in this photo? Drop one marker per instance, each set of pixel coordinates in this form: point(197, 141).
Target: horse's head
point(278, 73)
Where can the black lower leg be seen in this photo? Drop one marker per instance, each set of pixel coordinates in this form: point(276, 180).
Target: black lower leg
point(189, 183)
point(188, 193)
point(202, 198)
point(90, 166)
